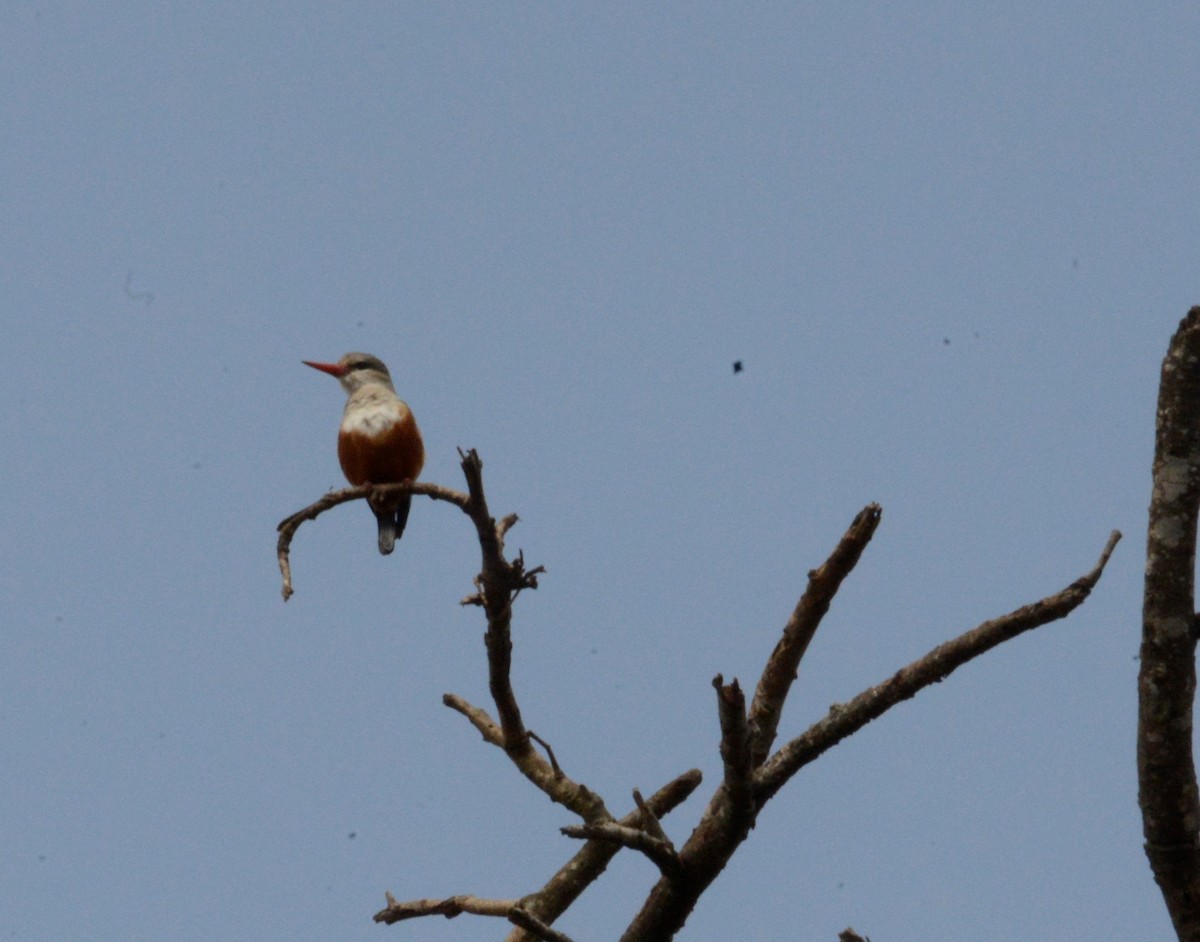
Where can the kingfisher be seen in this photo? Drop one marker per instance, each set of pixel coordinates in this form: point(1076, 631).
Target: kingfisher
point(378, 442)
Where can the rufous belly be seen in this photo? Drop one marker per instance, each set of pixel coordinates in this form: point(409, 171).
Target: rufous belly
point(392, 454)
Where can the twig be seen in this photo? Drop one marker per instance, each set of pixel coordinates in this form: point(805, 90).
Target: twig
point(511, 909)
point(449, 907)
point(479, 718)
point(650, 823)
point(660, 851)
point(549, 752)
point(289, 525)
point(1167, 790)
point(781, 666)
point(506, 524)
point(547, 776)
point(735, 750)
point(586, 866)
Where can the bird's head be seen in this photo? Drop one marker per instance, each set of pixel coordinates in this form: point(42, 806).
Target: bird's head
point(355, 370)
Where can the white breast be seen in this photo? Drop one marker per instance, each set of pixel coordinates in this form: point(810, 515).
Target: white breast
point(373, 411)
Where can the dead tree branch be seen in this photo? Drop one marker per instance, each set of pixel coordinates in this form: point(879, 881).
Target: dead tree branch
point(583, 869)
point(511, 909)
point(479, 718)
point(650, 823)
point(735, 753)
point(660, 851)
point(724, 825)
point(844, 719)
point(781, 667)
point(524, 919)
point(545, 774)
point(289, 525)
point(1167, 790)
point(498, 583)
point(449, 907)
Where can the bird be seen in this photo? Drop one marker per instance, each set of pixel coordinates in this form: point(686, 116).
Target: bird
point(378, 442)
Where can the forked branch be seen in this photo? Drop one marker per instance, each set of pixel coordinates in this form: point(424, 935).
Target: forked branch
point(725, 824)
point(583, 869)
point(847, 718)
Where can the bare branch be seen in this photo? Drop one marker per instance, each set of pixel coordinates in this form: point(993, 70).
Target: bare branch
point(498, 583)
point(845, 719)
point(478, 717)
point(722, 828)
point(750, 777)
point(289, 525)
point(450, 907)
point(781, 667)
point(549, 752)
point(650, 822)
point(547, 776)
point(523, 919)
point(1167, 790)
point(590, 862)
point(660, 851)
point(583, 869)
point(511, 909)
point(735, 750)
point(506, 524)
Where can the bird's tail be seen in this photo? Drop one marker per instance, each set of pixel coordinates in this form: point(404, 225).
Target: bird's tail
point(387, 532)
point(402, 510)
point(392, 523)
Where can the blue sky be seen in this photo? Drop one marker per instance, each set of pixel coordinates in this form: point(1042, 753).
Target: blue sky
point(949, 244)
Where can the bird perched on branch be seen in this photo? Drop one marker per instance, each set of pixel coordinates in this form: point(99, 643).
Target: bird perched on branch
point(379, 442)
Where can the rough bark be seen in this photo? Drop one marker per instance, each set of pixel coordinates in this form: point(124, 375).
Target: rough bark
point(1167, 789)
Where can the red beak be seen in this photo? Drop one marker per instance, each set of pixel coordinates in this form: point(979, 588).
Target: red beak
point(333, 369)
